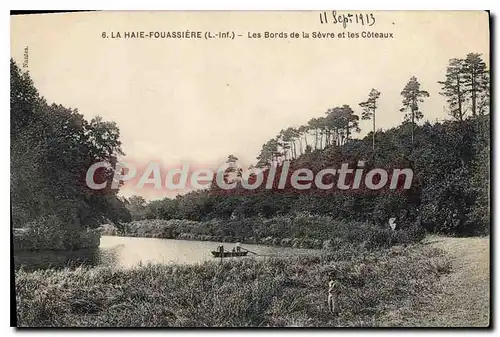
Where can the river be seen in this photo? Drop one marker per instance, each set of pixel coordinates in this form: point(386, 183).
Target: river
point(127, 252)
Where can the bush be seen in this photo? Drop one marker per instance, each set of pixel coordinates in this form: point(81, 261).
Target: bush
point(300, 230)
point(51, 233)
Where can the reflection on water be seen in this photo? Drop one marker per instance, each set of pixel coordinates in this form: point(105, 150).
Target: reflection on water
point(127, 252)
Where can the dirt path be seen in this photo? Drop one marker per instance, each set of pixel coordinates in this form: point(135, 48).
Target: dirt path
point(465, 297)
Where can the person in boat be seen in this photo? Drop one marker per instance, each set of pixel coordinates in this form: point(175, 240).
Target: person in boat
point(221, 249)
point(238, 247)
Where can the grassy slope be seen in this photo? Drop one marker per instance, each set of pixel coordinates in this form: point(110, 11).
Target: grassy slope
point(273, 292)
point(464, 298)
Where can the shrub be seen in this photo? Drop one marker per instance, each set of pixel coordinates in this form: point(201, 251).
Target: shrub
point(51, 233)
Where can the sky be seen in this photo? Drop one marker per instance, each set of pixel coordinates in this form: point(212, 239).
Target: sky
point(200, 100)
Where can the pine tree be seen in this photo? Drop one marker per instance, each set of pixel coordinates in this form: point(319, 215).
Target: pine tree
point(453, 88)
point(476, 79)
point(412, 95)
point(369, 109)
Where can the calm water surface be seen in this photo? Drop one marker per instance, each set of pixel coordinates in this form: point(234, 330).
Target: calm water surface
point(127, 252)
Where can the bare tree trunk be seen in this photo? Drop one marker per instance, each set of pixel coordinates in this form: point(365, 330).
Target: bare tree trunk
point(412, 125)
point(373, 140)
point(473, 92)
point(459, 99)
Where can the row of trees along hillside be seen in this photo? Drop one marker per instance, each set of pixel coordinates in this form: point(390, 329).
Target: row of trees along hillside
point(51, 149)
point(450, 160)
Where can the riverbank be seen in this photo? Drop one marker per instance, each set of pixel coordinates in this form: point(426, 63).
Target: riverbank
point(30, 239)
point(299, 231)
point(248, 292)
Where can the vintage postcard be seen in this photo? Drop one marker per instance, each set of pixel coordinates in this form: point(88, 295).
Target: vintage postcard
point(251, 169)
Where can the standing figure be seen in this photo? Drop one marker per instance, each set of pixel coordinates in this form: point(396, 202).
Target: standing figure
point(238, 248)
point(392, 223)
point(333, 298)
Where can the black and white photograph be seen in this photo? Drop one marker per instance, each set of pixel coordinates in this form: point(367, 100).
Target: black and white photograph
point(250, 169)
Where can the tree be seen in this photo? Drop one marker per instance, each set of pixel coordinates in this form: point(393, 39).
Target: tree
point(483, 101)
point(303, 130)
point(476, 79)
point(233, 172)
point(313, 124)
point(342, 122)
point(294, 134)
point(268, 154)
point(453, 88)
point(165, 209)
point(321, 125)
point(284, 142)
point(137, 207)
point(52, 147)
point(369, 108)
point(412, 96)
point(25, 101)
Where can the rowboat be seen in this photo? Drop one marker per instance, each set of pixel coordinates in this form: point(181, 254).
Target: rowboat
point(228, 254)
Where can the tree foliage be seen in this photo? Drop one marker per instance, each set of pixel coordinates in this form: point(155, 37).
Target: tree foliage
point(52, 148)
point(476, 80)
point(453, 88)
point(412, 96)
point(466, 86)
point(369, 109)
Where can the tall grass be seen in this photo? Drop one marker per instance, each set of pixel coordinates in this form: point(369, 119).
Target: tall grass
point(271, 292)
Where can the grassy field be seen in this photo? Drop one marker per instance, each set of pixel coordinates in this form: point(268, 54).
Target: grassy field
point(272, 292)
point(464, 300)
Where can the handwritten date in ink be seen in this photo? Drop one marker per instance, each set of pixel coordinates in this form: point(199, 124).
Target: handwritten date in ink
point(363, 19)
